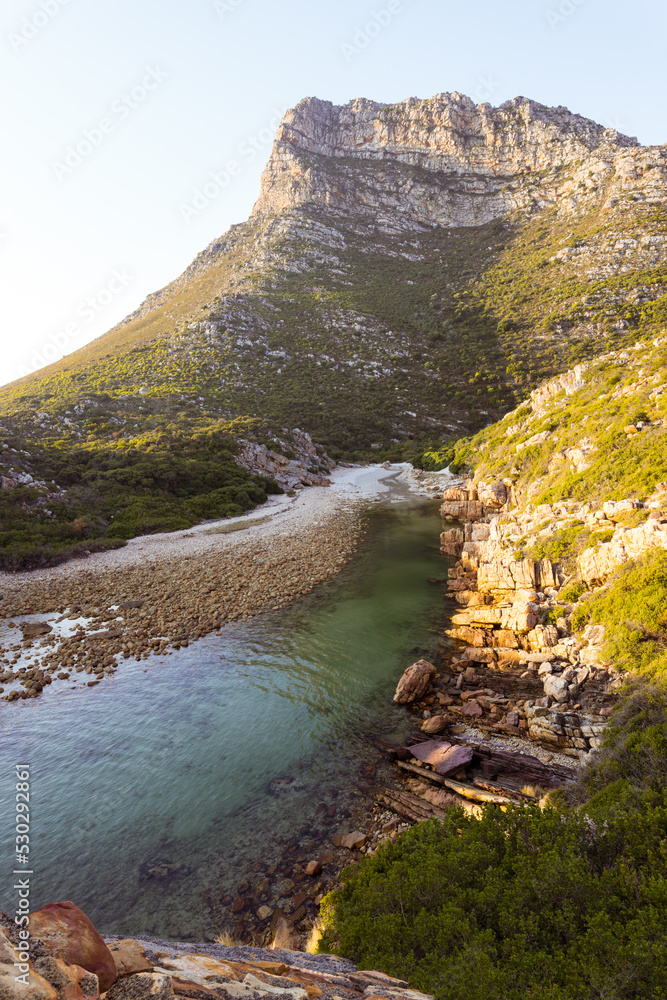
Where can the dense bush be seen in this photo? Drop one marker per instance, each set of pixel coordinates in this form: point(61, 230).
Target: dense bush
point(564, 903)
point(165, 480)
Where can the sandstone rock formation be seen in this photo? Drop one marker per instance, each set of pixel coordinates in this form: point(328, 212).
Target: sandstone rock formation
point(443, 161)
point(67, 933)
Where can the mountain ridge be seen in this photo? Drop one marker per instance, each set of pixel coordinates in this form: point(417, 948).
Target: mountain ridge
point(364, 302)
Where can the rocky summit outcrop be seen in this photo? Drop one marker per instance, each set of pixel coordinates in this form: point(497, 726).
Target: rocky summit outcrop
point(445, 160)
point(63, 967)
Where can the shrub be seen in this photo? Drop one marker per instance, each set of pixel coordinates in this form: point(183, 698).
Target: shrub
point(524, 903)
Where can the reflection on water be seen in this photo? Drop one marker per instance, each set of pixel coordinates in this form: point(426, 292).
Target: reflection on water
point(172, 761)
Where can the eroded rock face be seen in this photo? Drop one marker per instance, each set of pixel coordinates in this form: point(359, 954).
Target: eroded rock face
point(597, 564)
point(466, 163)
point(308, 467)
point(68, 934)
point(415, 682)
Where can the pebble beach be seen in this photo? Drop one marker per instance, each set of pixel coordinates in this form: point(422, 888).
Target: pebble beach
point(161, 592)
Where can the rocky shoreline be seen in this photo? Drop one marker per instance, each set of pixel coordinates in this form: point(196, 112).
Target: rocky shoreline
point(492, 722)
point(69, 960)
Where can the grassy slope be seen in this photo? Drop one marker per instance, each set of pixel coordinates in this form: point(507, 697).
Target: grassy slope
point(619, 389)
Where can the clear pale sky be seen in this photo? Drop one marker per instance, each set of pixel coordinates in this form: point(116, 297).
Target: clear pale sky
point(158, 94)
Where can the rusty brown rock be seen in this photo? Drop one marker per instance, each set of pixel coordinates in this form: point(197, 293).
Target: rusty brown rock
point(129, 956)
point(67, 933)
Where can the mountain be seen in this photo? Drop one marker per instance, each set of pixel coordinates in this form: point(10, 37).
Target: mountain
point(408, 273)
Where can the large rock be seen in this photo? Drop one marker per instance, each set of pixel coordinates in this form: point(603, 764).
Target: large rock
point(493, 495)
point(31, 986)
point(70, 982)
point(436, 723)
point(31, 630)
point(415, 682)
point(444, 758)
point(556, 687)
point(129, 956)
point(354, 841)
point(68, 934)
point(463, 510)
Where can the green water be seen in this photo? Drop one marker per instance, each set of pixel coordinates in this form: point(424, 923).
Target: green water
point(175, 760)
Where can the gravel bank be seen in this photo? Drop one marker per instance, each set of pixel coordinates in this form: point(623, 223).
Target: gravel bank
point(162, 592)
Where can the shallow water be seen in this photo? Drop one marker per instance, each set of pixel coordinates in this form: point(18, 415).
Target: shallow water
point(203, 758)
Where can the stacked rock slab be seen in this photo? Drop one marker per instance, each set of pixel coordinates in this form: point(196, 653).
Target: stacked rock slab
point(504, 602)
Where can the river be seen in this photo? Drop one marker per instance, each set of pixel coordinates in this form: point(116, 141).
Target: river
point(205, 759)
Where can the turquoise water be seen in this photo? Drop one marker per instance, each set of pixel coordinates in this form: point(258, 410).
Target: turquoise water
point(203, 758)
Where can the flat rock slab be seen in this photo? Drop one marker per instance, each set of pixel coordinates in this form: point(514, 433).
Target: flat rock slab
point(444, 757)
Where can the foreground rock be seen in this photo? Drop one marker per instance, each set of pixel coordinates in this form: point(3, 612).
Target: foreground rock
point(67, 933)
point(415, 682)
point(157, 970)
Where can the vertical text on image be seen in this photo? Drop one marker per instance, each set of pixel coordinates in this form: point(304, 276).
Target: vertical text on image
point(22, 873)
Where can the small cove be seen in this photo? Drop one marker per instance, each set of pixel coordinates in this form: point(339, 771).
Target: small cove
point(213, 759)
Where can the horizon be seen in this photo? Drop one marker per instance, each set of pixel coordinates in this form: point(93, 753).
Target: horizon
point(96, 231)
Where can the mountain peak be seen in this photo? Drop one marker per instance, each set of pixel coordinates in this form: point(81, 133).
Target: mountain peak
point(446, 159)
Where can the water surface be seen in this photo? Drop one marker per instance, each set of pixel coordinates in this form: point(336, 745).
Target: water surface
point(203, 759)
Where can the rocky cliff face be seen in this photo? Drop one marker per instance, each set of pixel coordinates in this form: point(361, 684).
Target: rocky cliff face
point(447, 161)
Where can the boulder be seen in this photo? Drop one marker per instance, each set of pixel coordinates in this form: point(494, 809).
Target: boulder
point(282, 932)
point(471, 636)
point(36, 988)
point(67, 933)
point(313, 868)
point(415, 682)
point(476, 655)
point(142, 986)
point(463, 510)
point(556, 687)
point(31, 630)
point(493, 495)
point(472, 708)
point(451, 542)
point(444, 758)
point(435, 724)
point(354, 841)
point(129, 957)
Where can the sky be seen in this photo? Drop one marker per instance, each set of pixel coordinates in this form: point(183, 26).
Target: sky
point(134, 132)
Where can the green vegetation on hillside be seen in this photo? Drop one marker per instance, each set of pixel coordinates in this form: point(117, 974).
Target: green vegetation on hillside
point(564, 903)
point(383, 339)
point(620, 391)
point(633, 609)
point(92, 493)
